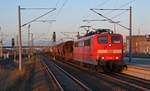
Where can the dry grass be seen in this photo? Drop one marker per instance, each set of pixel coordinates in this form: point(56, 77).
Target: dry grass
point(9, 79)
point(13, 80)
point(32, 78)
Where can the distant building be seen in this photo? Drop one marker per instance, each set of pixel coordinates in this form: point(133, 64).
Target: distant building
point(140, 44)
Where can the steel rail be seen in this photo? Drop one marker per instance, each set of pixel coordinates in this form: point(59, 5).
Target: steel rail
point(112, 78)
point(123, 82)
point(133, 78)
point(74, 79)
point(52, 76)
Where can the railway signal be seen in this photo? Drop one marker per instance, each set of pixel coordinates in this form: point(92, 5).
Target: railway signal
point(13, 43)
point(54, 44)
point(13, 48)
point(54, 38)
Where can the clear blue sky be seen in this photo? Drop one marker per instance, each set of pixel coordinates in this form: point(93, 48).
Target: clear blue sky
point(69, 18)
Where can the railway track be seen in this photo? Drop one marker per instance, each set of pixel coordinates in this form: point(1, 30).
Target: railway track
point(50, 74)
point(121, 79)
point(137, 83)
point(63, 80)
point(140, 80)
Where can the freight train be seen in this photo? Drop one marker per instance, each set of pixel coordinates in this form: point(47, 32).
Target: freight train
point(100, 49)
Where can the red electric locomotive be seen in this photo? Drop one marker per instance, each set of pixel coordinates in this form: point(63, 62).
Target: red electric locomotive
point(101, 49)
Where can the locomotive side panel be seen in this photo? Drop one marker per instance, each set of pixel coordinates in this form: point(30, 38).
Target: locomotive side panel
point(92, 55)
point(84, 51)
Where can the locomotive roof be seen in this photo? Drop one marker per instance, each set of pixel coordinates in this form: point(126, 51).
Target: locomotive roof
point(88, 37)
point(95, 33)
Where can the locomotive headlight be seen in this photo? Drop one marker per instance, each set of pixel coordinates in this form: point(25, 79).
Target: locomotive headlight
point(117, 57)
point(102, 57)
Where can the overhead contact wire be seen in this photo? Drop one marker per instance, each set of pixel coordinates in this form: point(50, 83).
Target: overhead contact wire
point(101, 4)
point(118, 14)
point(120, 7)
point(65, 2)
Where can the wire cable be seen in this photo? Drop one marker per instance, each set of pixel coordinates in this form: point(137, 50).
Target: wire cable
point(110, 12)
point(65, 2)
point(103, 3)
point(127, 3)
point(57, 2)
point(119, 14)
point(39, 17)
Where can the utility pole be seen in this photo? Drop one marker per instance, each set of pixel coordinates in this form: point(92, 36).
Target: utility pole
point(130, 25)
point(19, 37)
point(1, 45)
point(19, 29)
point(32, 40)
point(1, 48)
point(28, 35)
point(29, 41)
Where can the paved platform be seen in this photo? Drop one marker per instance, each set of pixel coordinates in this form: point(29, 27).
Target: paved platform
point(139, 67)
point(140, 62)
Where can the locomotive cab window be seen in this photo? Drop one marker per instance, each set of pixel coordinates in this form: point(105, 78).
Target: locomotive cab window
point(103, 39)
point(115, 39)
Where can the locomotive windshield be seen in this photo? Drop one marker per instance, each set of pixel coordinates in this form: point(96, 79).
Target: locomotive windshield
point(102, 39)
point(115, 39)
